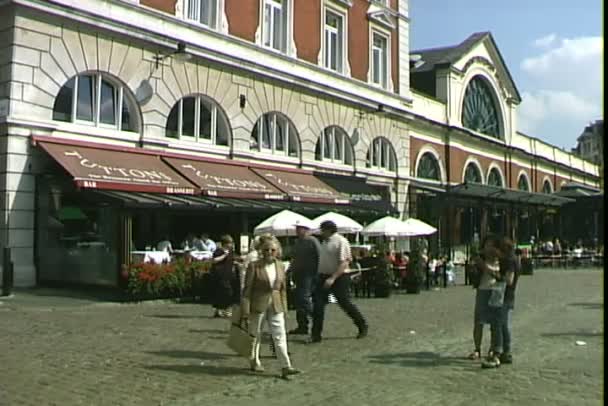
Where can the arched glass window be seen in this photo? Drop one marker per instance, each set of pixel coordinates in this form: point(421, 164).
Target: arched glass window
point(522, 184)
point(96, 99)
point(428, 167)
point(274, 133)
point(381, 155)
point(334, 145)
point(198, 118)
point(494, 178)
point(479, 111)
point(472, 174)
point(547, 187)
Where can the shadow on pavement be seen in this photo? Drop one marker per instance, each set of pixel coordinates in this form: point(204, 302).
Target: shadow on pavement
point(209, 330)
point(203, 355)
point(418, 359)
point(177, 316)
point(209, 370)
point(597, 306)
point(574, 334)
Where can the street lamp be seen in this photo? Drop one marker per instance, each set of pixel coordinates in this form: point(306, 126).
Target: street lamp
point(181, 54)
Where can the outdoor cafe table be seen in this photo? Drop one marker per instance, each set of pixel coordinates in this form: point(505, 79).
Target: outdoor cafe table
point(151, 256)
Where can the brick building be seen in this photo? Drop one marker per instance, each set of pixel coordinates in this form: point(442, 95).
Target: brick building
point(121, 121)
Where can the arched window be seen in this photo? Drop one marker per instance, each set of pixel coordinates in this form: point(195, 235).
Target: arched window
point(547, 187)
point(334, 145)
point(428, 167)
point(479, 111)
point(494, 178)
point(198, 118)
point(99, 100)
point(381, 155)
point(472, 174)
point(274, 133)
point(522, 183)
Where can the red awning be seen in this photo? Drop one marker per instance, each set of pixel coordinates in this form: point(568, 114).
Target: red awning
point(225, 180)
point(302, 186)
point(97, 168)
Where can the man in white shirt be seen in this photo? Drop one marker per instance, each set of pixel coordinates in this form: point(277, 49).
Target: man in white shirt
point(334, 258)
point(208, 243)
point(164, 245)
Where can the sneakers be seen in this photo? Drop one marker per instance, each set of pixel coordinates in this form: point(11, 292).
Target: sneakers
point(255, 367)
point(315, 339)
point(493, 362)
point(286, 372)
point(506, 358)
point(363, 332)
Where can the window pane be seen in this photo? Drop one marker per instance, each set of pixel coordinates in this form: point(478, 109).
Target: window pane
point(375, 149)
point(188, 106)
point(337, 145)
point(376, 66)
point(207, 13)
point(277, 29)
point(294, 147)
point(86, 96)
point(281, 131)
point(222, 134)
point(368, 161)
point(254, 139)
point(267, 131)
point(267, 25)
point(192, 9)
point(327, 143)
point(62, 110)
point(333, 41)
point(205, 120)
point(318, 156)
point(383, 155)
point(107, 108)
point(172, 122)
point(127, 123)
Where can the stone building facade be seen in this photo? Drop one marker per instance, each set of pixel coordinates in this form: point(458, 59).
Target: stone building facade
point(323, 86)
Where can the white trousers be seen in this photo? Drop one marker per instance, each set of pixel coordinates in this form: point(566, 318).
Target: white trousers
point(276, 324)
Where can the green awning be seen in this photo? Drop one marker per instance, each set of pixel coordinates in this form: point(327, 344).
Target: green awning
point(499, 194)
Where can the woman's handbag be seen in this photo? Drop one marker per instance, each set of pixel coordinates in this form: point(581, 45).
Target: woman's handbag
point(239, 339)
point(497, 295)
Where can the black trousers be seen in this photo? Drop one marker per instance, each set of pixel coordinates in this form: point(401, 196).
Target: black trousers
point(340, 290)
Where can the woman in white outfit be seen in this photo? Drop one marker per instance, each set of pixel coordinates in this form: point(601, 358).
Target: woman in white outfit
point(265, 298)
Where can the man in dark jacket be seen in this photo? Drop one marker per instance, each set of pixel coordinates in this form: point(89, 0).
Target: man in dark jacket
point(304, 268)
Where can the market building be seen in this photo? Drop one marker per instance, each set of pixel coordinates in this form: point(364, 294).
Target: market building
point(123, 121)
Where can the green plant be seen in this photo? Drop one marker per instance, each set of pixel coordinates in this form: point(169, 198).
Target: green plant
point(163, 280)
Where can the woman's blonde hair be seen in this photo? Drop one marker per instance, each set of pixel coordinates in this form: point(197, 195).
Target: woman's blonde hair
point(266, 239)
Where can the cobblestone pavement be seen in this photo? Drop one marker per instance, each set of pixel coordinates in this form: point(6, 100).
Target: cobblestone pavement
point(78, 352)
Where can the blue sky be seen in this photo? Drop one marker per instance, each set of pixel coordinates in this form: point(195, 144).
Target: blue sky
point(553, 49)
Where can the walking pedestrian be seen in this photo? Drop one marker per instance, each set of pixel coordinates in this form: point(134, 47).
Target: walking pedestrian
point(224, 278)
point(304, 268)
point(265, 299)
point(335, 255)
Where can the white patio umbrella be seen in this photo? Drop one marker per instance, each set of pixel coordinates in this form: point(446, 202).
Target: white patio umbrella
point(415, 228)
point(386, 226)
point(345, 224)
point(283, 224)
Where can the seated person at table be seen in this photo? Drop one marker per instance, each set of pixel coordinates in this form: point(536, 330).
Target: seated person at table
point(188, 243)
point(198, 244)
point(209, 243)
point(164, 245)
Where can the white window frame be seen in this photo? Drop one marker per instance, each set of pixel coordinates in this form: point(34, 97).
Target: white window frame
point(215, 6)
point(198, 99)
point(342, 62)
point(289, 47)
point(268, 26)
point(96, 121)
point(274, 117)
point(344, 143)
point(387, 85)
point(381, 148)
